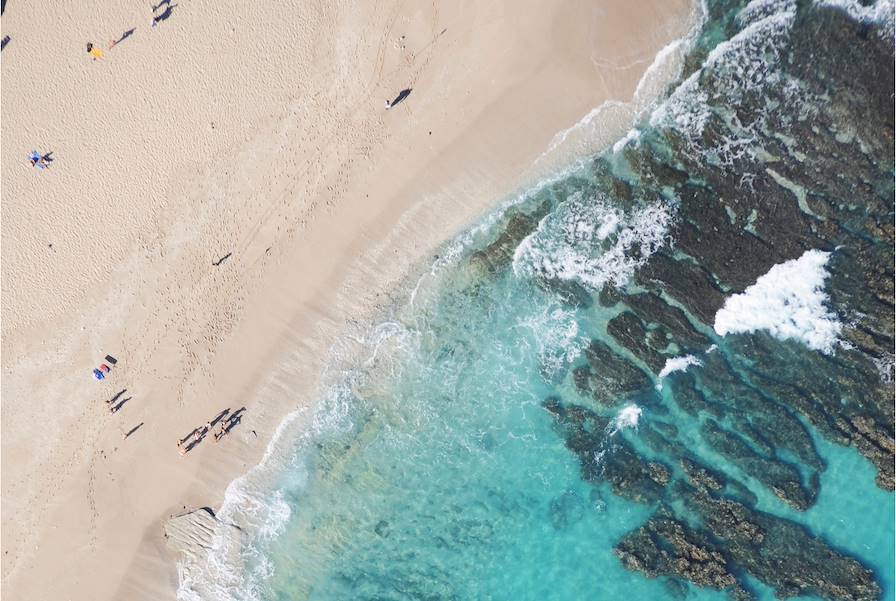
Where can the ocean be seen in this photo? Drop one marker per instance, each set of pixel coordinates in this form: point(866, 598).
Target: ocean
point(664, 373)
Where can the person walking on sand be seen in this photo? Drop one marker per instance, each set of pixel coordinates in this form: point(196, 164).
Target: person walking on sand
point(181, 442)
point(163, 16)
point(94, 51)
point(182, 446)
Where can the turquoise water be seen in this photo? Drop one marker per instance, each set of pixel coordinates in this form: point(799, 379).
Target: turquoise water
point(453, 483)
point(433, 469)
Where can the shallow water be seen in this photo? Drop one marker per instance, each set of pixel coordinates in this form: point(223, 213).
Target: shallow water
point(435, 469)
point(453, 483)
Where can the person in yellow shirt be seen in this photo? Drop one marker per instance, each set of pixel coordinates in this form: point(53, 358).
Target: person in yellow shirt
point(94, 51)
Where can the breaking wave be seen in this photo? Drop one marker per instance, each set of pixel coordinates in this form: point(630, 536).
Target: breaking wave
point(593, 242)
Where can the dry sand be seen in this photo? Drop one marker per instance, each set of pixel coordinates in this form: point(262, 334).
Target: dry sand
point(258, 130)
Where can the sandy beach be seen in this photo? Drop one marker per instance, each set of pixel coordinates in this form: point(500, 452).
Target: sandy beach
point(227, 192)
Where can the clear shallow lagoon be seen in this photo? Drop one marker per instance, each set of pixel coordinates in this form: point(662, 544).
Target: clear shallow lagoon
point(434, 469)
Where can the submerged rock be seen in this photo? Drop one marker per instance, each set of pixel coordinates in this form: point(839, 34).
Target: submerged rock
point(631, 333)
point(498, 255)
point(608, 378)
point(842, 396)
point(566, 509)
point(781, 478)
point(781, 553)
point(605, 457)
point(667, 547)
point(734, 539)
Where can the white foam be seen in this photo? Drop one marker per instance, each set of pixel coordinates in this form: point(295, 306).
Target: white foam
point(788, 302)
point(677, 364)
point(557, 335)
point(757, 10)
point(592, 242)
point(885, 368)
point(747, 61)
point(592, 117)
point(672, 54)
point(633, 135)
point(627, 417)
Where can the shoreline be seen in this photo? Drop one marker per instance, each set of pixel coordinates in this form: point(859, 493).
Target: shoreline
point(269, 305)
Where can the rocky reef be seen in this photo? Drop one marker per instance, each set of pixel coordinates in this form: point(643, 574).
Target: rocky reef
point(720, 535)
point(750, 149)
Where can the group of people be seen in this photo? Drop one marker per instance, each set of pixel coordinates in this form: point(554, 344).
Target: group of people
point(157, 17)
point(114, 404)
point(38, 160)
point(222, 423)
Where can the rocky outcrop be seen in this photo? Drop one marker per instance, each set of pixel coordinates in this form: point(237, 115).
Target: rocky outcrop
point(753, 163)
point(607, 377)
point(780, 553)
point(668, 547)
point(778, 476)
point(499, 254)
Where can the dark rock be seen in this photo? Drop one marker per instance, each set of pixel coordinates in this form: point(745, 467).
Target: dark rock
point(688, 397)
point(498, 255)
point(701, 476)
point(781, 478)
point(780, 553)
point(609, 296)
point(687, 283)
point(629, 331)
point(666, 429)
point(667, 547)
point(650, 435)
point(607, 377)
point(651, 308)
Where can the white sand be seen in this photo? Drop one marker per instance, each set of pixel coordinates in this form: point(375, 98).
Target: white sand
point(256, 129)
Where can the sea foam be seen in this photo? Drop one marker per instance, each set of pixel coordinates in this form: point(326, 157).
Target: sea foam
point(788, 302)
point(627, 417)
point(748, 62)
point(677, 364)
point(593, 242)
